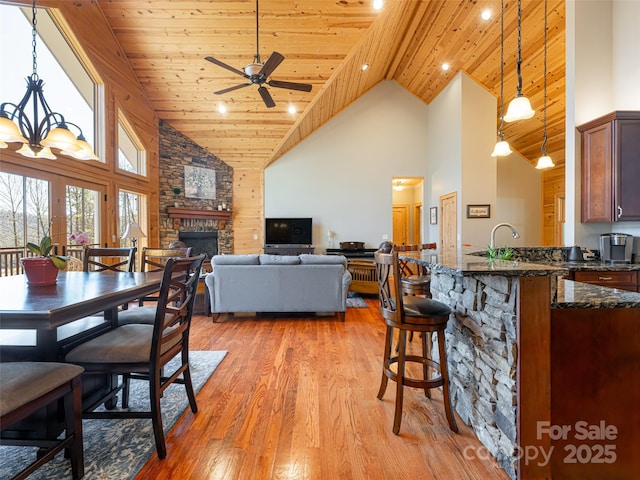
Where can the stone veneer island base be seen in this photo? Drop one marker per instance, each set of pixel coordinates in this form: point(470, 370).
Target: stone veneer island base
point(499, 345)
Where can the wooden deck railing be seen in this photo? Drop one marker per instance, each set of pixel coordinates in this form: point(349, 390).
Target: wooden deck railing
point(10, 258)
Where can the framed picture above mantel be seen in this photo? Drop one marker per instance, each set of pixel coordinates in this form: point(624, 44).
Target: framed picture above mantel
point(478, 211)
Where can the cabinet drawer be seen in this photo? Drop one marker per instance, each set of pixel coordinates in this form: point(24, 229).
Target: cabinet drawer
point(623, 280)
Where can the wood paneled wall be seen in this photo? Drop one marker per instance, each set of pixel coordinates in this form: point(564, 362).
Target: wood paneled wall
point(553, 196)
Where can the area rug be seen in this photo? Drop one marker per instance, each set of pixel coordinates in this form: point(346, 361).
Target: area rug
point(354, 300)
point(118, 449)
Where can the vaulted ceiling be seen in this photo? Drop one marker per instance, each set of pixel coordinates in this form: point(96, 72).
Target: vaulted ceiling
point(325, 43)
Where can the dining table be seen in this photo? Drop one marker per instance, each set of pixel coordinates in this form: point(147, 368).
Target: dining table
point(49, 311)
point(42, 323)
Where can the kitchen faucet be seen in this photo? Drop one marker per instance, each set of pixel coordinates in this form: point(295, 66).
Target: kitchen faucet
point(514, 233)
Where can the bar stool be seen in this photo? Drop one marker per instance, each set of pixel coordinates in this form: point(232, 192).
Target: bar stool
point(411, 314)
point(415, 282)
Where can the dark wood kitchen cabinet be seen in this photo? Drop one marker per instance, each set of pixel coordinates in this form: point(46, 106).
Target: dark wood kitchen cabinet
point(611, 168)
point(622, 280)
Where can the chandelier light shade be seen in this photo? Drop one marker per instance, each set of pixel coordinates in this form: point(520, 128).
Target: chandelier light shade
point(545, 160)
point(46, 129)
point(520, 107)
point(502, 148)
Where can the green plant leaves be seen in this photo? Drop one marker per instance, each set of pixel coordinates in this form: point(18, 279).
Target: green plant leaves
point(504, 253)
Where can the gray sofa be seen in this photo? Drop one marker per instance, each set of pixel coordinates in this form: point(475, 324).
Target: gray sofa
point(279, 283)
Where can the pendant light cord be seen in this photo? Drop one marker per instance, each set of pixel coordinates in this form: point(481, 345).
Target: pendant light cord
point(519, 60)
point(500, 134)
point(34, 22)
point(544, 116)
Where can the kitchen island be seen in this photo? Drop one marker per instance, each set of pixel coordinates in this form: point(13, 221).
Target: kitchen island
point(508, 349)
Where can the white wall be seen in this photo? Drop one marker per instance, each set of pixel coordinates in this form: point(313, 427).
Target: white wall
point(479, 178)
point(444, 169)
point(603, 74)
point(341, 175)
point(519, 201)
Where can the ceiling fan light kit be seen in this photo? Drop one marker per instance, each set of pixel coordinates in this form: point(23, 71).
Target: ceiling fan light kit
point(258, 73)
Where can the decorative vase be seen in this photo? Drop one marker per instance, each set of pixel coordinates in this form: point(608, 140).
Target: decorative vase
point(39, 271)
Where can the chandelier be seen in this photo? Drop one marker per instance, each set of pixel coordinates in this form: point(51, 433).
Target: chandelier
point(46, 129)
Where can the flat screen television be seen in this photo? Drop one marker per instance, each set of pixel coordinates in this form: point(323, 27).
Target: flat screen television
point(288, 231)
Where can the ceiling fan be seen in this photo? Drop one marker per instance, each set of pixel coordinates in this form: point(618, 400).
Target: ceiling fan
point(258, 73)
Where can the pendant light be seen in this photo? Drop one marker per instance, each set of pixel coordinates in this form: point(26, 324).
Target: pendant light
point(520, 107)
point(46, 129)
point(545, 160)
point(502, 148)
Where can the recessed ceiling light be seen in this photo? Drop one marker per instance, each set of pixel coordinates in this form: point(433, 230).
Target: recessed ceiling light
point(292, 109)
point(486, 14)
point(222, 108)
point(445, 66)
point(377, 4)
point(364, 67)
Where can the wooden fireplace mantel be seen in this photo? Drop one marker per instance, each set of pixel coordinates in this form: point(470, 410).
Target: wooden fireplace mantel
point(178, 213)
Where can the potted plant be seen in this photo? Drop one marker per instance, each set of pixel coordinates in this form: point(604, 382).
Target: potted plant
point(42, 269)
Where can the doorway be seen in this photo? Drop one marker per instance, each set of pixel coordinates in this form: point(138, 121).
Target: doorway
point(449, 220)
point(406, 196)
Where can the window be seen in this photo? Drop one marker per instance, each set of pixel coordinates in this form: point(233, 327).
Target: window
point(24, 210)
point(82, 212)
point(131, 157)
point(68, 88)
point(132, 208)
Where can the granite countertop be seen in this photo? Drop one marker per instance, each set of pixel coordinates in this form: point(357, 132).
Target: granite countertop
point(569, 294)
point(597, 266)
point(572, 294)
point(459, 262)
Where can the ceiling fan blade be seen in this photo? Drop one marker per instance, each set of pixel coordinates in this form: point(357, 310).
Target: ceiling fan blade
point(231, 89)
point(303, 87)
point(266, 97)
point(271, 64)
point(228, 67)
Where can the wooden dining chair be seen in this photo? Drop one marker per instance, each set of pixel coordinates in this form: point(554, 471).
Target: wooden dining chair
point(28, 387)
point(406, 313)
point(152, 260)
point(415, 279)
point(143, 351)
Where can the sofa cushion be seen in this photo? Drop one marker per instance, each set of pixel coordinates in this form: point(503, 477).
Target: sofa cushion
point(266, 259)
point(248, 259)
point(312, 259)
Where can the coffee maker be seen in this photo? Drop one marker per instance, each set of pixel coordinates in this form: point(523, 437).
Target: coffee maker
point(616, 247)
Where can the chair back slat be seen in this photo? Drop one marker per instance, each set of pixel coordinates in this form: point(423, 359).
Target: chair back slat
point(406, 268)
point(175, 308)
point(154, 259)
point(387, 276)
point(108, 259)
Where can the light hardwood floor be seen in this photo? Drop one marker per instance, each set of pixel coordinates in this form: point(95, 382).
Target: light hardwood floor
point(295, 398)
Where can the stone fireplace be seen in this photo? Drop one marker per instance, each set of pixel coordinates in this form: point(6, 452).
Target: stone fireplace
point(193, 218)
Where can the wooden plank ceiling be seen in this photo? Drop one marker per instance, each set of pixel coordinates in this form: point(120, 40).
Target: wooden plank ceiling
point(325, 43)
